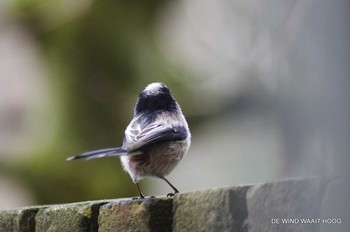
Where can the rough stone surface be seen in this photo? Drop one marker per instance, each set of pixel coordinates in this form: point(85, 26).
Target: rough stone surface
point(70, 217)
point(20, 220)
point(150, 214)
point(286, 206)
point(270, 204)
point(221, 209)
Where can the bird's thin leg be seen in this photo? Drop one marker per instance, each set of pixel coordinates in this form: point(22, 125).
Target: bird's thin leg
point(172, 186)
point(139, 190)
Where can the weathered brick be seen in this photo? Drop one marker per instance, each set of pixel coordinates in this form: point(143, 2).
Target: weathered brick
point(269, 204)
point(19, 220)
point(150, 214)
point(70, 217)
point(222, 209)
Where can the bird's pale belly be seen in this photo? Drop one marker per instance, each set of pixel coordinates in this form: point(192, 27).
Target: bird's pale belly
point(158, 160)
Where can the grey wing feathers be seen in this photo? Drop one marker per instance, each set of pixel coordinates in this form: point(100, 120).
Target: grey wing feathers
point(155, 133)
point(116, 151)
point(136, 138)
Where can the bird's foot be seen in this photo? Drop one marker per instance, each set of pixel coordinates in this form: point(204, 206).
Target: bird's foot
point(171, 194)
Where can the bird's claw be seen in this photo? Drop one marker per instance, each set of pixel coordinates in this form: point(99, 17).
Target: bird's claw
point(170, 194)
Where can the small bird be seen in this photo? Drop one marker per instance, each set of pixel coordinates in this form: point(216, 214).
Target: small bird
point(156, 139)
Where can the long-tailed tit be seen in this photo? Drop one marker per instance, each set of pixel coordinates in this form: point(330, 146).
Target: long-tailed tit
point(156, 139)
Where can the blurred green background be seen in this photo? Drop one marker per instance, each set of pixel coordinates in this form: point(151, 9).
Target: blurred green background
point(252, 79)
point(94, 58)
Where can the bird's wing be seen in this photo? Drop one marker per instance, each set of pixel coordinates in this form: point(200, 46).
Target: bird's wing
point(136, 138)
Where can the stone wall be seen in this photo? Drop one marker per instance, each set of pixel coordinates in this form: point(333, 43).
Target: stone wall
point(292, 205)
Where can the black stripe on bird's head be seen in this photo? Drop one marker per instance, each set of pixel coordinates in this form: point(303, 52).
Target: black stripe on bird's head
point(155, 96)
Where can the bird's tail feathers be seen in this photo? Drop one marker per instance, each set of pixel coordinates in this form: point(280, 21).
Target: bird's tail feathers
point(107, 152)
